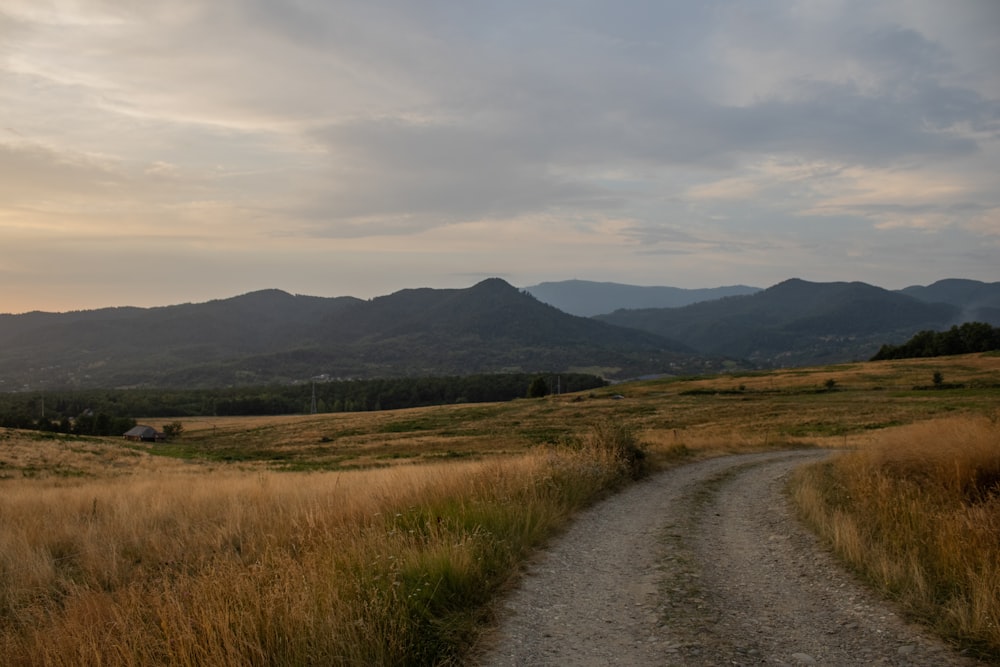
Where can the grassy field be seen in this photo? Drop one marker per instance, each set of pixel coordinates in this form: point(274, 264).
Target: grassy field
point(918, 516)
point(381, 538)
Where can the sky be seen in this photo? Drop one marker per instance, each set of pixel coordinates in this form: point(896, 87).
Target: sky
point(172, 151)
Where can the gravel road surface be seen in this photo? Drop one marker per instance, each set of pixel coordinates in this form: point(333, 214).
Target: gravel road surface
point(701, 565)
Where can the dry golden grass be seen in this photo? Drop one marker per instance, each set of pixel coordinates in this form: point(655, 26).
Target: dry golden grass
point(372, 538)
point(233, 568)
point(26, 454)
point(763, 410)
point(918, 513)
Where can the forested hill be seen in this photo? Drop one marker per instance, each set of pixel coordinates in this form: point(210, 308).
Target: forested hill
point(796, 322)
point(966, 339)
point(271, 336)
point(978, 301)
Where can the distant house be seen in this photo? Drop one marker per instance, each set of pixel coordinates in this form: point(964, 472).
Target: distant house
point(142, 433)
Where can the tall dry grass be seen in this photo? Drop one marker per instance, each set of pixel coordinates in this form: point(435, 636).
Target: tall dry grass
point(918, 514)
point(387, 566)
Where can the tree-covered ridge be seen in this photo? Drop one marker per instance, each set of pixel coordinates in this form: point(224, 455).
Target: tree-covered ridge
point(271, 337)
point(111, 412)
point(965, 339)
point(794, 323)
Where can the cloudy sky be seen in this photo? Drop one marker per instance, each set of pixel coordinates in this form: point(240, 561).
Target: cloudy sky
point(168, 151)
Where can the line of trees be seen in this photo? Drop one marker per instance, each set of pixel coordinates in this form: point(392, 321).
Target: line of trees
point(86, 423)
point(965, 339)
point(111, 411)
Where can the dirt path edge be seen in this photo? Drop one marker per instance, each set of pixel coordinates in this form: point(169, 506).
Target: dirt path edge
point(704, 564)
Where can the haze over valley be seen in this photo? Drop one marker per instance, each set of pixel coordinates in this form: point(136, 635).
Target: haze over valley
point(271, 336)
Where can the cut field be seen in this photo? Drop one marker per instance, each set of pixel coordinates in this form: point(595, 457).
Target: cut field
point(379, 537)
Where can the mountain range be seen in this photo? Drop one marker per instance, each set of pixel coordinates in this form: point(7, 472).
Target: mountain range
point(271, 336)
point(798, 323)
point(587, 298)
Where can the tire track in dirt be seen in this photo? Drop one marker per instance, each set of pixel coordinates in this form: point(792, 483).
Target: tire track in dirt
point(700, 565)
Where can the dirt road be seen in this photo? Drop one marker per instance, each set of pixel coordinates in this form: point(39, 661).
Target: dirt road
point(701, 565)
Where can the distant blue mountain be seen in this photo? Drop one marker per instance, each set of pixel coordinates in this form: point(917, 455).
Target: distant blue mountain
point(586, 298)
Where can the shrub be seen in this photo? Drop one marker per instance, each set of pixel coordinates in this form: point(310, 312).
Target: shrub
point(538, 388)
point(173, 429)
point(618, 442)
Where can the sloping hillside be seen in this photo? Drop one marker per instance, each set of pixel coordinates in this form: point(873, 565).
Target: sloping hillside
point(978, 301)
point(272, 336)
point(795, 322)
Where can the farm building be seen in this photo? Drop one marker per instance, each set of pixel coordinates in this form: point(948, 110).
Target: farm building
point(142, 433)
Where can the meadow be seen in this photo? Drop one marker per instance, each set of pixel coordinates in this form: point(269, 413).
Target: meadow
point(918, 516)
point(386, 537)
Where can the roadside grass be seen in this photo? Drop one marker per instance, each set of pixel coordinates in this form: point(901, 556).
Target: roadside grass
point(917, 514)
point(377, 537)
point(391, 566)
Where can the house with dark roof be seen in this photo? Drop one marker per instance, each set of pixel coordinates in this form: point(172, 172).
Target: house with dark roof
point(142, 433)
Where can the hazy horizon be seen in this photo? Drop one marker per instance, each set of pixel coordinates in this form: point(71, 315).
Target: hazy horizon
point(183, 151)
point(243, 293)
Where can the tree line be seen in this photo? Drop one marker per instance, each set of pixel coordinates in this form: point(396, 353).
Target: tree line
point(965, 339)
point(113, 411)
point(86, 423)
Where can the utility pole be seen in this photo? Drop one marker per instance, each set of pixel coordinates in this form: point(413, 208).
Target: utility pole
point(313, 409)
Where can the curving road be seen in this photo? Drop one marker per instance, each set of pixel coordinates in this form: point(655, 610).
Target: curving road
point(700, 565)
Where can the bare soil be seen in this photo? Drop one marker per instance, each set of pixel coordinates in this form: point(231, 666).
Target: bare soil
point(704, 564)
